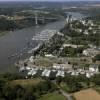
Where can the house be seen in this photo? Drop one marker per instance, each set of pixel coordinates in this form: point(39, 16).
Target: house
point(86, 32)
point(21, 69)
point(83, 22)
point(91, 52)
point(60, 73)
point(92, 46)
point(33, 71)
point(65, 66)
point(49, 55)
point(46, 73)
point(94, 68)
point(79, 30)
point(74, 73)
point(88, 75)
point(69, 45)
point(28, 68)
point(72, 45)
point(90, 28)
point(94, 32)
point(90, 23)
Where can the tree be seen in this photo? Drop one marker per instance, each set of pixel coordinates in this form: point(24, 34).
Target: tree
point(29, 95)
point(97, 57)
point(58, 80)
point(19, 91)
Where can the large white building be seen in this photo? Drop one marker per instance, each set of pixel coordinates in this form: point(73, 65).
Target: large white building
point(91, 52)
point(62, 66)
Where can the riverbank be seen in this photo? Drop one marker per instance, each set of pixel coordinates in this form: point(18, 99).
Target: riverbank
point(2, 33)
point(15, 41)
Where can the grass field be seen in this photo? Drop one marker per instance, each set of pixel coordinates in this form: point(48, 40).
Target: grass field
point(88, 94)
point(52, 96)
point(46, 61)
point(65, 87)
point(26, 82)
point(43, 62)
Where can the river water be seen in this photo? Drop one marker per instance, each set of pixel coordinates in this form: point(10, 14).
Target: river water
point(13, 42)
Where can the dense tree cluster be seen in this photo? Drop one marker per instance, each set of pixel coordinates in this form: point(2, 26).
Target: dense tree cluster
point(52, 46)
point(18, 92)
point(73, 83)
point(7, 25)
point(76, 83)
point(68, 51)
point(10, 25)
point(97, 57)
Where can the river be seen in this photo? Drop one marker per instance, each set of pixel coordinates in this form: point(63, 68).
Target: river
point(14, 42)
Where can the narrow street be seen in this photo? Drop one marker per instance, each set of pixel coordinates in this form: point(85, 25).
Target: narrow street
point(68, 96)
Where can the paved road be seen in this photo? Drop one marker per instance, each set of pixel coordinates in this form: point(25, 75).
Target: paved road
point(68, 96)
point(65, 94)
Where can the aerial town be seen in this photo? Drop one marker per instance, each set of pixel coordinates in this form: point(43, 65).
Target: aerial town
point(50, 50)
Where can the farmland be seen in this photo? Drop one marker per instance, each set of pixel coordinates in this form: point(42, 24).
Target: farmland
point(88, 94)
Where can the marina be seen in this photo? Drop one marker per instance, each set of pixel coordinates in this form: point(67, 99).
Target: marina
point(44, 35)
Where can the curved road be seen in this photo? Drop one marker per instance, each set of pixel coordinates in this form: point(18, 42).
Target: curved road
point(65, 94)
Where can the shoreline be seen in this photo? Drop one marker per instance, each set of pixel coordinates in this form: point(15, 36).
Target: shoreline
point(18, 40)
point(32, 32)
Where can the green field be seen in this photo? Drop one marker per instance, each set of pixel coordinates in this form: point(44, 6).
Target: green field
point(52, 96)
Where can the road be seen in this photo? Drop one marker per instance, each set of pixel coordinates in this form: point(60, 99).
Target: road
point(65, 94)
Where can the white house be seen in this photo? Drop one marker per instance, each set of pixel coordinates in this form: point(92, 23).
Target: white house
point(21, 69)
point(65, 66)
point(86, 32)
point(94, 68)
point(83, 22)
point(90, 28)
point(72, 45)
point(94, 32)
point(60, 73)
point(88, 75)
point(46, 73)
point(91, 52)
point(49, 55)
